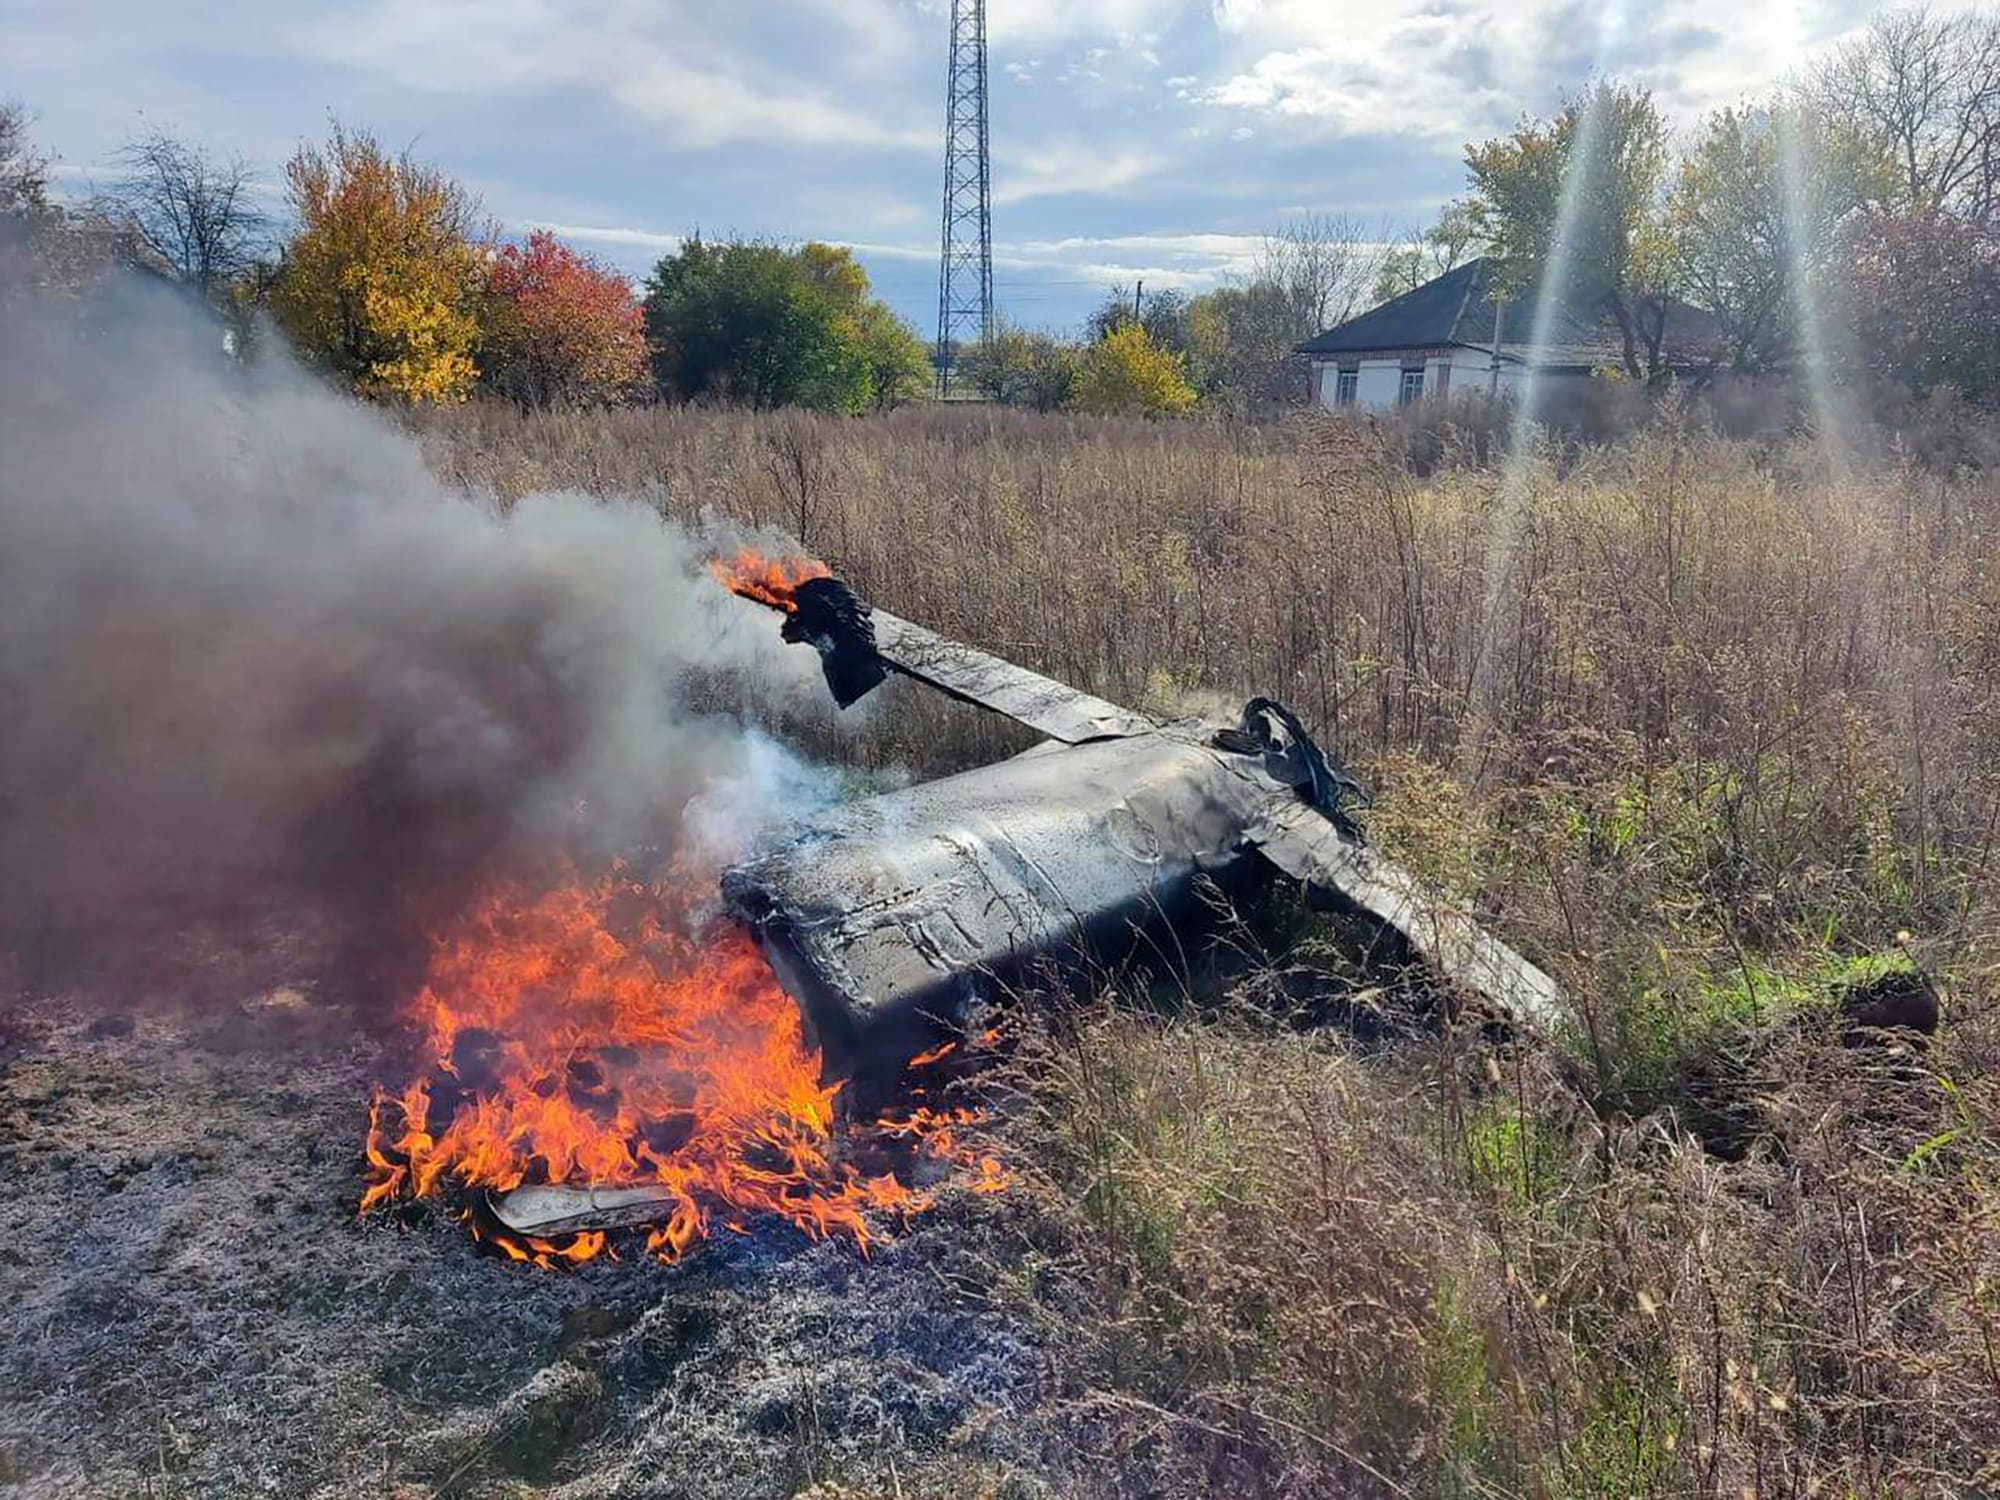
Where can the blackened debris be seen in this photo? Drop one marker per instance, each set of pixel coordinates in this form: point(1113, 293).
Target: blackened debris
point(836, 622)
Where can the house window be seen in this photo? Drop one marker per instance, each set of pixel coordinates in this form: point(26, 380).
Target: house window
point(1413, 386)
point(1345, 383)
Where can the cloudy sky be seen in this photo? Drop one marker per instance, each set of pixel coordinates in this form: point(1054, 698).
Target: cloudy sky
point(1132, 139)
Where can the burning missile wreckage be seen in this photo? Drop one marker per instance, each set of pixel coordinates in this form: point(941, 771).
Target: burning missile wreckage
point(874, 934)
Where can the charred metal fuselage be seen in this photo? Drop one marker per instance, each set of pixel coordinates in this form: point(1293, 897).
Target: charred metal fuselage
point(887, 917)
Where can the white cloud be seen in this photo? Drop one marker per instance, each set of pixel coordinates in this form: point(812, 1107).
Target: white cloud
point(1053, 169)
point(1210, 248)
point(668, 65)
point(1024, 23)
point(591, 234)
point(1442, 70)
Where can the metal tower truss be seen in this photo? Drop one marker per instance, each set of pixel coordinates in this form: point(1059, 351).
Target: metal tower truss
point(965, 273)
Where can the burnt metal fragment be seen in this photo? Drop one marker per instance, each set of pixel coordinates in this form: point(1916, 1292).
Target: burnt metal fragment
point(834, 620)
point(548, 1211)
point(887, 917)
point(1898, 999)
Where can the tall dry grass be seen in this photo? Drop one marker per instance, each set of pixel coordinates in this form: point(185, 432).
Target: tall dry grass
point(1707, 727)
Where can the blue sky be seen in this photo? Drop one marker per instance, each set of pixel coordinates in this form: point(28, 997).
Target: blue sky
point(1154, 139)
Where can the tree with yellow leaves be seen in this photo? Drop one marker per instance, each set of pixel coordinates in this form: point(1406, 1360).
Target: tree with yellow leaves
point(1127, 372)
point(381, 282)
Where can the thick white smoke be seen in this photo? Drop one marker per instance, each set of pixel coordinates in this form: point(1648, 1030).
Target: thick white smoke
point(249, 646)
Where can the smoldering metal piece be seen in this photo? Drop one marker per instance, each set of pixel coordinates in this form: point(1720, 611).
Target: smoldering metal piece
point(548, 1211)
point(837, 622)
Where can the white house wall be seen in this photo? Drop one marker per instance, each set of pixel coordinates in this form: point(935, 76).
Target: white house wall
point(1464, 372)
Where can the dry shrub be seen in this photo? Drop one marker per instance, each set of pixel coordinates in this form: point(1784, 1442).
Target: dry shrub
point(1309, 1274)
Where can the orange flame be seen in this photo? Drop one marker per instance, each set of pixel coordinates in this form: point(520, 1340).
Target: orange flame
point(768, 580)
point(581, 1037)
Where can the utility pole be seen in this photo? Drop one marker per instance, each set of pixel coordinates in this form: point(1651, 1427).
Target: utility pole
point(965, 272)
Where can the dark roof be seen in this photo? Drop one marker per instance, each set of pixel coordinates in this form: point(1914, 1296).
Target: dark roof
point(1458, 308)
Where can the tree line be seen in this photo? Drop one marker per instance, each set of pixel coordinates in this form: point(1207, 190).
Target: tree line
point(1851, 220)
point(388, 278)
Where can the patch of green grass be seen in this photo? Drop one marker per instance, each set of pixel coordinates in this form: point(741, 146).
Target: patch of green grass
point(1625, 1444)
point(1836, 975)
point(1668, 1022)
point(1460, 1382)
point(1513, 1153)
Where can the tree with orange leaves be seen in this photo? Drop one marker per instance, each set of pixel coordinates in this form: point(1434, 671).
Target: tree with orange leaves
point(561, 329)
point(382, 281)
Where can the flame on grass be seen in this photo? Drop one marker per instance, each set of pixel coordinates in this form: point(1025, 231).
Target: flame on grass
point(593, 1034)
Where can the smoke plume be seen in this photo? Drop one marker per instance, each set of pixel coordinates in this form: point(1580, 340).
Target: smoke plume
point(251, 649)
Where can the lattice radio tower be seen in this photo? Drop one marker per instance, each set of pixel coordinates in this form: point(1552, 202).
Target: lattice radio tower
point(965, 272)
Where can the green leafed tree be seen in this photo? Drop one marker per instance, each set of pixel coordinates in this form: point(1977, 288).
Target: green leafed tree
point(1596, 177)
point(1402, 271)
point(745, 321)
point(1925, 290)
point(742, 320)
point(1020, 367)
point(1127, 373)
point(1760, 213)
point(1425, 256)
point(1240, 347)
point(898, 363)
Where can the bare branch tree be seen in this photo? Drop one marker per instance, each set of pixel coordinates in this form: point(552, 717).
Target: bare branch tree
point(1926, 88)
point(24, 172)
point(1415, 256)
point(194, 211)
point(1327, 265)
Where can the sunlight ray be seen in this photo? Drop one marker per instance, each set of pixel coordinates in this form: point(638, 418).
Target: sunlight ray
point(1513, 502)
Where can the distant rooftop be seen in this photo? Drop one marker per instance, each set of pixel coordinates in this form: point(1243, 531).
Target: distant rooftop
point(1459, 308)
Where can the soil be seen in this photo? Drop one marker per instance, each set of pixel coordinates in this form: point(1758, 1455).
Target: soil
point(189, 1304)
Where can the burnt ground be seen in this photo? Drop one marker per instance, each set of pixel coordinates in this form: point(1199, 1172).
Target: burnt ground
point(189, 1305)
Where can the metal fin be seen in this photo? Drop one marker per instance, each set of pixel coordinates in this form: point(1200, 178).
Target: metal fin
point(1306, 846)
point(1043, 704)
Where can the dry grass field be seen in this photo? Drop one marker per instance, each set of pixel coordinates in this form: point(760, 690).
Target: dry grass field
point(1710, 728)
